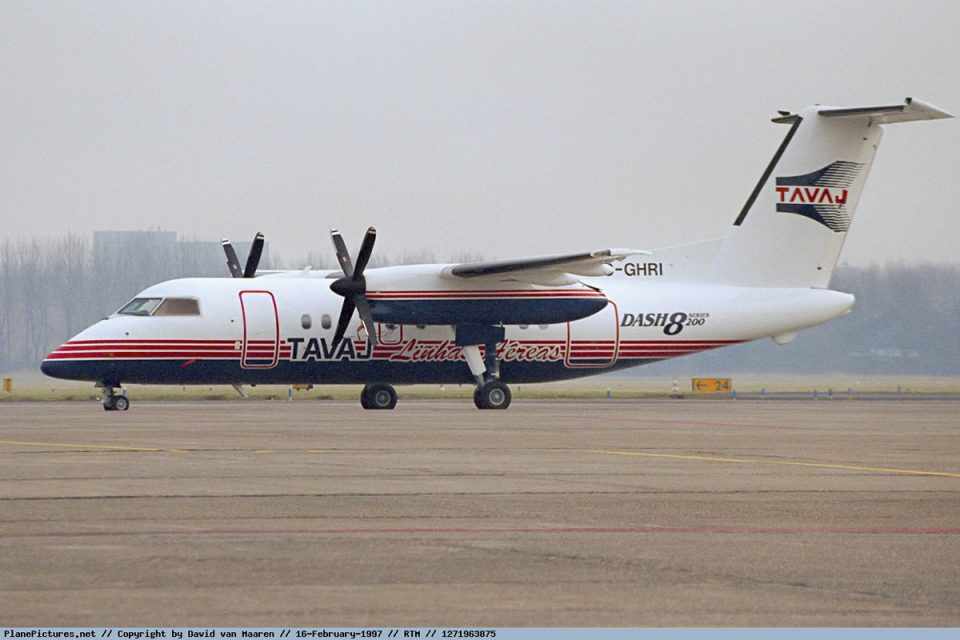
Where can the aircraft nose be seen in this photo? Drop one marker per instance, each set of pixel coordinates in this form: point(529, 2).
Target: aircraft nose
point(79, 357)
point(52, 364)
point(64, 364)
point(47, 368)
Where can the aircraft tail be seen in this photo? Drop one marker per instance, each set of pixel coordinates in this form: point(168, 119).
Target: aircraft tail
point(793, 225)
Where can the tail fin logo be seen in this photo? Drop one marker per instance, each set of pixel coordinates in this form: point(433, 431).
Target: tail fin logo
point(821, 195)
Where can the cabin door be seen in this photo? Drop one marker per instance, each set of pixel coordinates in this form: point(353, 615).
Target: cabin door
point(594, 341)
point(261, 330)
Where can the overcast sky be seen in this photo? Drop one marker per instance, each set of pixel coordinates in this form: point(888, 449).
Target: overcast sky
point(499, 128)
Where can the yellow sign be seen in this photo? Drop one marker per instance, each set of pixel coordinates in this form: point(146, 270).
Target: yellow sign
point(712, 385)
point(8, 385)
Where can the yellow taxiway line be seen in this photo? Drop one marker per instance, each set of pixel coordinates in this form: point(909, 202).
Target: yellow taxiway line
point(792, 463)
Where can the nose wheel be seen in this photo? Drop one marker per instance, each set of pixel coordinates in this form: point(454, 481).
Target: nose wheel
point(492, 394)
point(113, 401)
point(378, 396)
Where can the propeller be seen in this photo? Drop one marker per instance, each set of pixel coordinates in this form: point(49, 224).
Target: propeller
point(353, 286)
point(253, 258)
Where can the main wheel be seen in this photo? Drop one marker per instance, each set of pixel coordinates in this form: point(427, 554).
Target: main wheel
point(109, 403)
point(492, 394)
point(120, 403)
point(378, 396)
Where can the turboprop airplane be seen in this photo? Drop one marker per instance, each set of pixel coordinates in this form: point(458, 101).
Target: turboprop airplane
point(524, 320)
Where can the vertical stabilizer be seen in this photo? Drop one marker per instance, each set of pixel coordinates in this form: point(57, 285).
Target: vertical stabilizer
point(793, 225)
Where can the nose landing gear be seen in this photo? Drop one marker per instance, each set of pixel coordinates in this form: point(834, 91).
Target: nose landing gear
point(114, 401)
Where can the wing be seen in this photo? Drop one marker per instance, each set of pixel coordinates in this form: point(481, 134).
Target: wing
point(592, 263)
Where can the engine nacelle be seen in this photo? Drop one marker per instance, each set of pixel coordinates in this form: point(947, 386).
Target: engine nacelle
point(493, 307)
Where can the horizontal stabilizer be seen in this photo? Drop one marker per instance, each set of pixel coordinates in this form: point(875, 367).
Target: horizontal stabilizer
point(909, 111)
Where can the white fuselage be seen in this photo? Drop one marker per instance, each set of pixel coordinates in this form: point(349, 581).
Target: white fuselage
point(277, 328)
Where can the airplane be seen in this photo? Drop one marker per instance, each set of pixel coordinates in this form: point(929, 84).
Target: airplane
point(492, 323)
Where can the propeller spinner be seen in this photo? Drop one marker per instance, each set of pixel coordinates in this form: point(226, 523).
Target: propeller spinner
point(253, 258)
point(353, 286)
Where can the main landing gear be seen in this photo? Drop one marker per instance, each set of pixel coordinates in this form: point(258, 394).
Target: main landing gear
point(378, 396)
point(114, 399)
point(490, 392)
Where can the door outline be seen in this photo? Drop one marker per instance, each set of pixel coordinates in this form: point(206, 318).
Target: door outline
point(276, 332)
point(616, 344)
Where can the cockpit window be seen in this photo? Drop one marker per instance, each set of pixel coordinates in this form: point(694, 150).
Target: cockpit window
point(161, 307)
point(140, 307)
point(178, 307)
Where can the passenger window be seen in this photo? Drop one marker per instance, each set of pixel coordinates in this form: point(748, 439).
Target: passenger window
point(306, 321)
point(325, 321)
point(178, 307)
point(140, 307)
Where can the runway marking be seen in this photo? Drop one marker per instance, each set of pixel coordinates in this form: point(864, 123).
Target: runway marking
point(112, 447)
point(793, 463)
point(614, 452)
point(643, 530)
point(104, 447)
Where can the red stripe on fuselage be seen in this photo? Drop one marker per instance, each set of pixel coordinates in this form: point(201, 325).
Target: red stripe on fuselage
point(169, 355)
point(192, 349)
point(155, 341)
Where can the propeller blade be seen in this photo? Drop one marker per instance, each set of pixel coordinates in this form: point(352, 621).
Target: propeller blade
point(343, 256)
point(346, 314)
point(367, 317)
point(352, 286)
point(253, 259)
point(363, 256)
point(233, 263)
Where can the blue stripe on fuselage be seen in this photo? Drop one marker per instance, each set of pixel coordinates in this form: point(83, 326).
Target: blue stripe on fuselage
point(297, 372)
